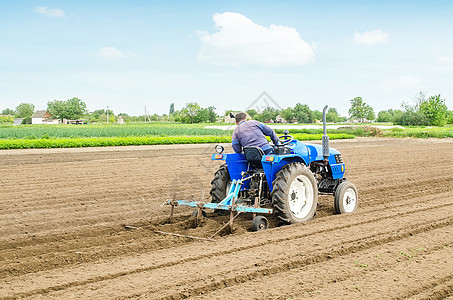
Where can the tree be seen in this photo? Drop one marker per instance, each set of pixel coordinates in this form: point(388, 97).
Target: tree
point(388, 116)
point(252, 113)
point(303, 113)
point(385, 116)
point(98, 113)
point(70, 109)
point(434, 109)
point(76, 108)
point(202, 115)
point(172, 109)
point(369, 113)
point(8, 112)
point(227, 112)
point(25, 110)
point(287, 114)
point(360, 110)
point(411, 118)
point(268, 114)
point(57, 108)
point(449, 118)
point(189, 112)
point(212, 116)
point(317, 115)
point(332, 115)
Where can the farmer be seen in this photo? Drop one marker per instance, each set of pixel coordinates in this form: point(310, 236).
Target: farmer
point(252, 134)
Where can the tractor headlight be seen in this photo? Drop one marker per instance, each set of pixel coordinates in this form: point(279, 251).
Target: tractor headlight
point(338, 159)
point(219, 149)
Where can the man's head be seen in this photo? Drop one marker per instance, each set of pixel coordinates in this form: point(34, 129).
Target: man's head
point(240, 117)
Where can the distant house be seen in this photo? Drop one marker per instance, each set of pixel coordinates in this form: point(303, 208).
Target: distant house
point(280, 119)
point(18, 121)
point(43, 117)
point(229, 119)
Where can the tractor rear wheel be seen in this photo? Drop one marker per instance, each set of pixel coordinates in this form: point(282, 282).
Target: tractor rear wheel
point(346, 198)
point(220, 184)
point(294, 194)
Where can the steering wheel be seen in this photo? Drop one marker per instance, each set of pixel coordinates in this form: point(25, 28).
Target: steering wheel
point(286, 138)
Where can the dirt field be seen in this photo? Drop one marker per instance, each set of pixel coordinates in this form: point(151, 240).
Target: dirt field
point(63, 213)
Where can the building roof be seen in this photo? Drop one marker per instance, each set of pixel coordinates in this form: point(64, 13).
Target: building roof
point(41, 114)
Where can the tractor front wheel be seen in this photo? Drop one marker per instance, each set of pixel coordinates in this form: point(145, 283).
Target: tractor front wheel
point(346, 198)
point(294, 194)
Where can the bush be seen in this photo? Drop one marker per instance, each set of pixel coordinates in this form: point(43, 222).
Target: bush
point(449, 118)
point(6, 119)
point(434, 109)
point(411, 118)
point(26, 121)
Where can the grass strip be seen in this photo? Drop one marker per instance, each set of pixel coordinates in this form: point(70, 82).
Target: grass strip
point(436, 132)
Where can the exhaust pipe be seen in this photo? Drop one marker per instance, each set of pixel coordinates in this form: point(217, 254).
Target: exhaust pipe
point(325, 137)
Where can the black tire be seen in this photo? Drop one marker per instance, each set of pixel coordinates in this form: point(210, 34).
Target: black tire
point(203, 213)
point(220, 184)
point(346, 198)
point(259, 223)
point(285, 187)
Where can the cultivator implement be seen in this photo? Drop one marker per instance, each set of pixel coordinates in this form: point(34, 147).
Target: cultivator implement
point(230, 204)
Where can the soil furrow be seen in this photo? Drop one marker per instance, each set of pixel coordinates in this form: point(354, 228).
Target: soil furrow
point(63, 212)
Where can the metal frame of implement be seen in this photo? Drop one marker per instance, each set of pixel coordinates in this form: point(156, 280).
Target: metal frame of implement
point(229, 203)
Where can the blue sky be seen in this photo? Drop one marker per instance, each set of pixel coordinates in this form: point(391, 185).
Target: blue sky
point(131, 54)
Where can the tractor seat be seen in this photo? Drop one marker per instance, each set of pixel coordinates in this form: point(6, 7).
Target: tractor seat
point(253, 155)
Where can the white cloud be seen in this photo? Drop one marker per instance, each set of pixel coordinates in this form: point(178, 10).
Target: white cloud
point(50, 12)
point(371, 37)
point(240, 41)
point(113, 53)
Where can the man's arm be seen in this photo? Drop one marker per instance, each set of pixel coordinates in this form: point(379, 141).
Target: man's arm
point(270, 133)
point(237, 147)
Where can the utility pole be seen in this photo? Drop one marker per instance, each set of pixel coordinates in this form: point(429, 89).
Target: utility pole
point(107, 113)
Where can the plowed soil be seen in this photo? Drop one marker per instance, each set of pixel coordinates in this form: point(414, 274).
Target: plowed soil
point(80, 224)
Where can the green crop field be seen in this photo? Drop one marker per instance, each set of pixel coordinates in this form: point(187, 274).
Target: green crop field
point(63, 136)
point(107, 130)
point(131, 140)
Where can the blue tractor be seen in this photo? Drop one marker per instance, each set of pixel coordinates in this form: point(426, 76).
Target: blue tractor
point(285, 184)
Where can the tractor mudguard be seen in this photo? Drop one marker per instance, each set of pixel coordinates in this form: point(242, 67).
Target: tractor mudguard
point(236, 164)
point(272, 164)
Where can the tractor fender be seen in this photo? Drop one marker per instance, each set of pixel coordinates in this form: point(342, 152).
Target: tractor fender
point(272, 164)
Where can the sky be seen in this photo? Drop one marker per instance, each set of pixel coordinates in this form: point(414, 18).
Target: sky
point(132, 54)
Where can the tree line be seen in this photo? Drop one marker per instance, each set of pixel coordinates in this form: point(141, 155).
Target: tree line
point(423, 111)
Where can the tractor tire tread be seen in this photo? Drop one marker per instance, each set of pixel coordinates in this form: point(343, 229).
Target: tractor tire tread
point(280, 187)
point(219, 184)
